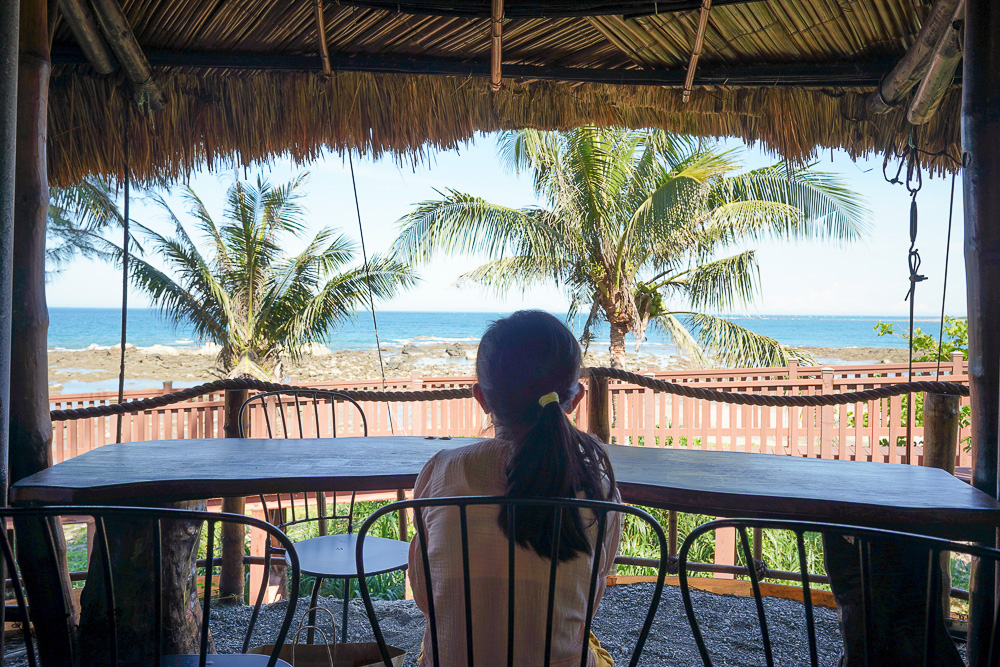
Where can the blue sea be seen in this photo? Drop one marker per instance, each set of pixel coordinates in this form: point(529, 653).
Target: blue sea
point(79, 328)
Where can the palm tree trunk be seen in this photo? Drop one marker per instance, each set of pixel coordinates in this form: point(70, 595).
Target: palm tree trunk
point(617, 348)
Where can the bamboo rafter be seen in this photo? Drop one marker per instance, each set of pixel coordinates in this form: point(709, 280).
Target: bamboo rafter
point(496, 26)
point(699, 41)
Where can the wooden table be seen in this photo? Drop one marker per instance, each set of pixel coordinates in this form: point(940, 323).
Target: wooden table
point(911, 498)
point(924, 500)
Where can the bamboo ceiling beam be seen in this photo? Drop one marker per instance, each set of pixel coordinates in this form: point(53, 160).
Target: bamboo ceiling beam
point(699, 41)
point(538, 8)
point(496, 46)
point(910, 70)
point(84, 28)
point(324, 51)
point(119, 34)
point(804, 75)
point(940, 72)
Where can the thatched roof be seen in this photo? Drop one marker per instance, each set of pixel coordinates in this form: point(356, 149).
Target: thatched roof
point(243, 81)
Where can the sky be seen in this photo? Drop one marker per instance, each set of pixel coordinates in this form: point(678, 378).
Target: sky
point(869, 277)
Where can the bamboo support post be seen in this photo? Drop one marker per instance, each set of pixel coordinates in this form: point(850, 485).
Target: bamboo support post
point(597, 405)
point(119, 34)
point(699, 41)
point(30, 425)
point(496, 42)
point(910, 70)
point(981, 146)
point(942, 413)
point(940, 72)
point(9, 13)
point(9, 20)
point(672, 533)
point(233, 543)
point(84, 27)
point(941, 421)
point(324, 51)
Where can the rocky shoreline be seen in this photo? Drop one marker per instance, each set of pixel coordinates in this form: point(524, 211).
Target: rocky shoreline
point(161, 363)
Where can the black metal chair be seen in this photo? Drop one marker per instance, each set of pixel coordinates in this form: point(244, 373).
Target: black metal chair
point(511, 506)
point(110, 625)
point(326, 556)
point(879, 578)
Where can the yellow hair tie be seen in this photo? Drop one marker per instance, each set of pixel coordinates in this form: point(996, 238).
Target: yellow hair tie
point(551, 397)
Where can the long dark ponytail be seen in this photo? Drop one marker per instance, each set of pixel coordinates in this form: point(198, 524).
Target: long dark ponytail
point(522, 361)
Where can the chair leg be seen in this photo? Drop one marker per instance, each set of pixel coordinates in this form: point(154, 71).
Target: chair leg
point(343, 623)
point(312, 610)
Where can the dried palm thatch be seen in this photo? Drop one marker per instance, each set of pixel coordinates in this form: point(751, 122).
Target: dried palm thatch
point(228, 116)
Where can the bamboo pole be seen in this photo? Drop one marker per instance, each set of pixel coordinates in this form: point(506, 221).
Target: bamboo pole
point(9, 19)
point(496, 45)
point(941, 416)
point(9, 14)
point(981, 146)
point(940, 72)
point(324, 50)
point(699, 41)
point(910, 70)
point(597, 404)
point(119, 34)
point(81, 22)
point(30, 426)
point(231, 580)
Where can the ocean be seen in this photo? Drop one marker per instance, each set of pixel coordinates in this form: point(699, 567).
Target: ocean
point(80, 328)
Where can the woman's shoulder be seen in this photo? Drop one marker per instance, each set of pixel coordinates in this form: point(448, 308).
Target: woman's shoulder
point(480, 463)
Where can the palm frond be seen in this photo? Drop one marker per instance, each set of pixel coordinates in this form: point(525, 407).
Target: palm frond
point(735, 346)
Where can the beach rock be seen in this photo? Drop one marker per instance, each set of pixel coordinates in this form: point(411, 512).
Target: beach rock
point(455, 350)
point(160, 350)
point(394, 364)
point(410, 349)
point(209, 348)
point(318, 350)
point(470, 354)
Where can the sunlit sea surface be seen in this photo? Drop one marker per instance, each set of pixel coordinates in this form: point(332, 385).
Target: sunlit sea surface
point(79, 328)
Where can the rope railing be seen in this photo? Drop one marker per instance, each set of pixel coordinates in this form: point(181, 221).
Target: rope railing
point(685, 390)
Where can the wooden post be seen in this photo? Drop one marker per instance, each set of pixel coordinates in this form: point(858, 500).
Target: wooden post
point(941, 417)
point(30, 427)
point(981, 148)
point(231, 580)
point(9, 20)
point(599, 418)
point(9, 12)
point(826, 420)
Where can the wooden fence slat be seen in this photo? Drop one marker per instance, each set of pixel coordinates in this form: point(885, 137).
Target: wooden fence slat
point(658, 419)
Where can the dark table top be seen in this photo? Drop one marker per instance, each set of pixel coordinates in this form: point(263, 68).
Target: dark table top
point(729, 484)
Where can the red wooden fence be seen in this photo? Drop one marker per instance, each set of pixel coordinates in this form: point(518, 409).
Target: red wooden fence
point(868, 431)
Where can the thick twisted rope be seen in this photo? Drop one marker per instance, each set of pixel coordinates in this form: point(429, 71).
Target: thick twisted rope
point(693, 391)
point(248, 383)
point(685, 390)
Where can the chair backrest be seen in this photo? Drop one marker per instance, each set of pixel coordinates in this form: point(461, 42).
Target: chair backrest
point(886, 584)
point(302, 413)
point(123, 614)
point(559, 508)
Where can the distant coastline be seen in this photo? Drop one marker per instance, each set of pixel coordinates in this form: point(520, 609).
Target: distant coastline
point(83, 328)
point(83, 356)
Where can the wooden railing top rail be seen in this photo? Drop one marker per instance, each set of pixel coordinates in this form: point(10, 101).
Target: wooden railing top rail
point(691, 390)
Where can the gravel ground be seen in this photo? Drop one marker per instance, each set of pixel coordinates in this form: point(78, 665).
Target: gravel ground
point(728, 622)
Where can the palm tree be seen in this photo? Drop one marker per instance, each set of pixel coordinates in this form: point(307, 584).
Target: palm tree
point(633, 227)
point(245, 295)
point(78, 217)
